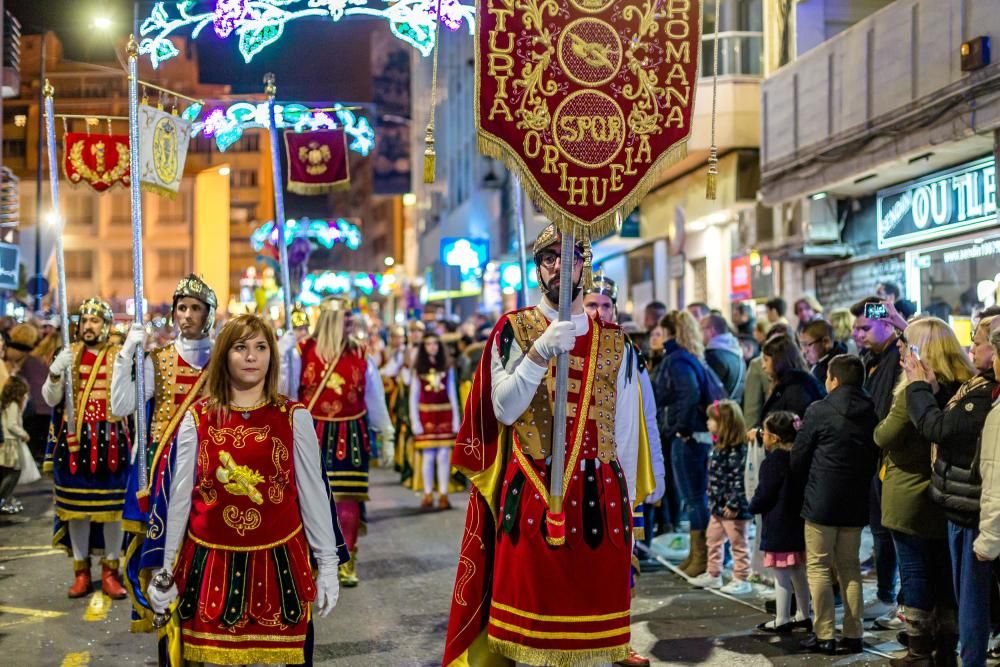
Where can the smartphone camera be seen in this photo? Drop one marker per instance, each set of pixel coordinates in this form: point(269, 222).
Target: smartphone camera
point(915, 351)
point(876, 311)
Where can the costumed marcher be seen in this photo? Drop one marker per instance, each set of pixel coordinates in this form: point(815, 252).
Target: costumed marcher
point(342, 390)
point(434, 417)
point(247, 516)
point(174, 378)
point(397, 392)
point(601, 302)
point(537, 586)
point(90, 464)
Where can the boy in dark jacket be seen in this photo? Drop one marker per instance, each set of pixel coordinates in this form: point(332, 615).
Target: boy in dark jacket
point(835, 454)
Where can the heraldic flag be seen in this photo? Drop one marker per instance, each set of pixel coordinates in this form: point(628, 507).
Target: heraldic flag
point(99, 160)
point(163, 147)
point(317, 161)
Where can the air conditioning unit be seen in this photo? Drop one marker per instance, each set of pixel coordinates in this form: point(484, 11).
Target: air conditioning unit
point(819, 220)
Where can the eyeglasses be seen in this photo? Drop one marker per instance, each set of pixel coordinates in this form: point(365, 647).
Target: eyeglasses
point(548, 259)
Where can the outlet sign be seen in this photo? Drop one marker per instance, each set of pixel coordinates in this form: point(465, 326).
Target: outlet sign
point(941, 204)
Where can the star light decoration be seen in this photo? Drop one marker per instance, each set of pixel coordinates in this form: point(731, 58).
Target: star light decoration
point(227, 124)
point(259, 23)
point(326, 233)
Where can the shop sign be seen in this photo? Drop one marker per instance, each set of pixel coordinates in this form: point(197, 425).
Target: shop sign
point(465, 253)
point(941, 204)
point(9, 269)
point(741, 279)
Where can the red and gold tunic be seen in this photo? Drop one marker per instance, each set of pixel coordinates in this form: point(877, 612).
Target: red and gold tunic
point(435, 411)
point(243, 572)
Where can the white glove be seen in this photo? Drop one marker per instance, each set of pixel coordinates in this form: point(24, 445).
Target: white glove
point(387, 450)
point(661, 487)
point(327, 589)
point(159, 600)
point(135, 340)
point(62, 362)
point(558, 337)
point(286, 343)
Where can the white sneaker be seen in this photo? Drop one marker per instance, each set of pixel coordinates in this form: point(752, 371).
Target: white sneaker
point(877, 608)
point(737, 587)
point(705, 580)
point(890, 620)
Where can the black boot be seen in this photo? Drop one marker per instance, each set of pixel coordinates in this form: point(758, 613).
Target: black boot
point(945, 650)
point(918, 652)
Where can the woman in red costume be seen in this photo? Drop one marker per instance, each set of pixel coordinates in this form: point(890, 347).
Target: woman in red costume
point(434, 416)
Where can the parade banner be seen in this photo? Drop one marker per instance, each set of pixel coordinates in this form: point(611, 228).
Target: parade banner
point(317, 161)
point(163, 147)
point(586, 100)
point(99, 160)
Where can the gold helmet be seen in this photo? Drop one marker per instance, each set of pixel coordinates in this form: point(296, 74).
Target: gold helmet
point(548, 237)
point(299, 318)
point(606, 286)
point(194, 287)
point(94, 306)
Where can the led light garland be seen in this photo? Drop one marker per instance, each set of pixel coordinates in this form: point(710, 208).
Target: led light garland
point(326, 233)
point(259, 23)
point(317, 285)
point(227, 124)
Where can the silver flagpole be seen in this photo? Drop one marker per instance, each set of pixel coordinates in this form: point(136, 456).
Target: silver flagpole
point(279, 197)
point(140, 371)
point(50, 137)
point(566, 256)
point(519, 221)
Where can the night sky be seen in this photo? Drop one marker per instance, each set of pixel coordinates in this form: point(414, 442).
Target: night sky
point(315, 59)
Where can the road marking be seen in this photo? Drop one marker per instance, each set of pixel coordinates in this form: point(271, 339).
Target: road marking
point(27, 548)
point(98, 608)
point(81, 659)
point(29, 615)
point(50, 552)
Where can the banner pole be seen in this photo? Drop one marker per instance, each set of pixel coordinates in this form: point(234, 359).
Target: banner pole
point(50, 137)
point(137, 266)
point(567, 252)
point(279, 197)
point(519, 221)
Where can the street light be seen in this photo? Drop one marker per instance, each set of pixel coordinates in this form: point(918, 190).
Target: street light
point(102, 22)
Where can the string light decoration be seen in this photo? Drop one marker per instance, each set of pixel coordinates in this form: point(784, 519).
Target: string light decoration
point(227, 124)
point(315, 286)
point(259, 23)
point(326, 233)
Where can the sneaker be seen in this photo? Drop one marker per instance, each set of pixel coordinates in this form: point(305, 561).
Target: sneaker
point(737, 587)
point(705, 580)
point(994, 650)
point(876, 608)
point(890, 620)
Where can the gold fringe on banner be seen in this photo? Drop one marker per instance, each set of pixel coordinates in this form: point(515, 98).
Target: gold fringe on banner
point(588, 264)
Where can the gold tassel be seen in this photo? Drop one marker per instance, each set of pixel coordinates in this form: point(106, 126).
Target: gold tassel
point(588, 266)
point(713, 170)
point(713, 151)
point(429, 155)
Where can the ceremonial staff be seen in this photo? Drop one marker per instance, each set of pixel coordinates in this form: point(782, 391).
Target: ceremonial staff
point(522, 251)
point(136, 195)
point(566, 259)
point(58, 225)
point(279, 197)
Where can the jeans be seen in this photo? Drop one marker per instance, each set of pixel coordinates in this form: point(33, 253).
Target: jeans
point(922, 563)
point(690, 462)
point(829, 548)
point(885, 551)
point(671, 502)
point(972, 588)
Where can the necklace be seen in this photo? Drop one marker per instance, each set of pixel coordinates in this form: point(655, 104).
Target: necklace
point(245, 412)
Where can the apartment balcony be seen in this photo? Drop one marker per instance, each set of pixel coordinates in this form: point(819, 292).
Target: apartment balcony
point(883, 101)
point(10, 78)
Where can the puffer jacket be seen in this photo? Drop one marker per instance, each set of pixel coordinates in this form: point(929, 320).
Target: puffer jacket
point(678, 387)
point(956, 431)
point(988, 542)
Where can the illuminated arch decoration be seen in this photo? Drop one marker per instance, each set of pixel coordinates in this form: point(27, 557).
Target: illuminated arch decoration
point(259, 23)
point(315, 286)
point(227, 124)
point(326, 233)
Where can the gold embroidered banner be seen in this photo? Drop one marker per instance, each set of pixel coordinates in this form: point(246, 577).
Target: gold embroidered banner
point(99, 160)
point(586, 99)
point(163, 147)
point(317, 161)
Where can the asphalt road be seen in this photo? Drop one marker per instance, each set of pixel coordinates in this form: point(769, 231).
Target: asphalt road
point(397, 616)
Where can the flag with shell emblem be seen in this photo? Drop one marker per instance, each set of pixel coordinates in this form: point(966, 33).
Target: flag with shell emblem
point(317, 161)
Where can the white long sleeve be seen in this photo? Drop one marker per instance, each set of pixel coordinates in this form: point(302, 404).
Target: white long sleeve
point(314, 494)
point(415, 399)
point(291, 373)
point(392, 368)
point(378, 412)
point(988, 541)
point(123, 386)
point(181, 487)
point(52, 392)
point(12, 425)
point(626, 428)
point(456, 417)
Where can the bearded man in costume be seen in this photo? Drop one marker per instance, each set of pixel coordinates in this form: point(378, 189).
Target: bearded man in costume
point(601, 302)
point(521, 593)
point(174, 378)
point(342, 389)
point(90, 464)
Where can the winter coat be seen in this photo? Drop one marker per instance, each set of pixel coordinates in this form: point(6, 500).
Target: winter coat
point(795, 392)
point(956, 430)
point(755, 391)
point(881, 378)
point(820, 367)
point(725, 482)
point(725, 356)
point(988, 541)
point(835, 456)
point(678, 389)
point(779, 499)
point(906, 459)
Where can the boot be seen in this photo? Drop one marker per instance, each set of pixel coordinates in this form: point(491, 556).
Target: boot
point(945, 647)
point(687, 561)
point(348, 573)
point(918, 652)
point(443, 503)
point(81, 584)
point(699, 554)
point(428, 501)
point(111, 582)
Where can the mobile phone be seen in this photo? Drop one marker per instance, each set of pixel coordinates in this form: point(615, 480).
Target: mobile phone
point(915, 351)
point(876, 311)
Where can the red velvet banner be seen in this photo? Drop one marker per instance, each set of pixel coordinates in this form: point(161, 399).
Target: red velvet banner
point(99, 160)
point(586, 99)
point(317, 161)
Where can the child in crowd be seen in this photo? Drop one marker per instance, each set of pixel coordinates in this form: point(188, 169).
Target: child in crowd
point(727, 499)
point(779, 499)
point(13, 398)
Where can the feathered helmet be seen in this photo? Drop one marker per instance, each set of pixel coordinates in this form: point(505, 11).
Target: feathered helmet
point(94, 306)
point(194, 287)
point(606, 286)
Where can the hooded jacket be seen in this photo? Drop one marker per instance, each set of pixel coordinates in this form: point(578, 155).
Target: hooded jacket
point(725, 356)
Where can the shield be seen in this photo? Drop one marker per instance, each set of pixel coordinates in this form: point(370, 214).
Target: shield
point(588, 100)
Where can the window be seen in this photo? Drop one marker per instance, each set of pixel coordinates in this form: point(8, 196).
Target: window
point(173, 211)
point(79, 264)
point(172, 263)
point(121, 208)
point(78, 209)
point(121, 264)
point(14, 147)
point(741, 38)
point(243, 178)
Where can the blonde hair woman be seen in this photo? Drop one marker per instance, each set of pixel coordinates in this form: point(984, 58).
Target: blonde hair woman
point(917, 524)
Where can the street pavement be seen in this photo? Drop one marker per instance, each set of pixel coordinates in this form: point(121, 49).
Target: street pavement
point(397, 616)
